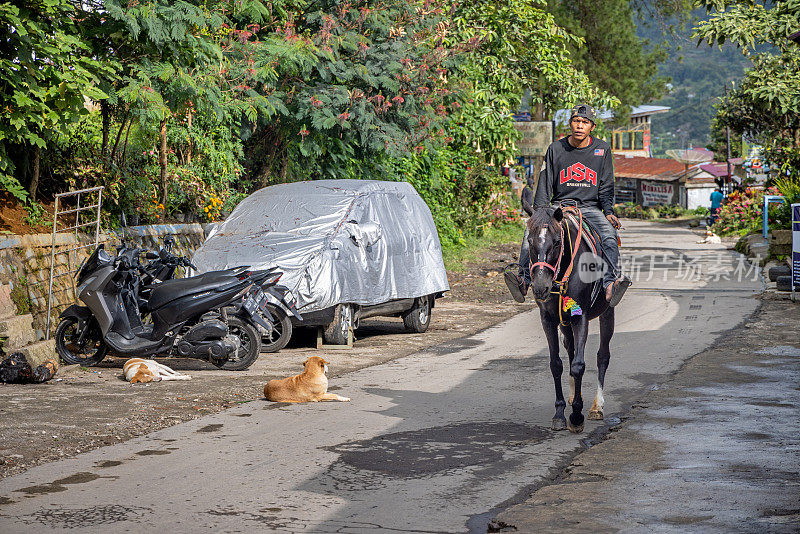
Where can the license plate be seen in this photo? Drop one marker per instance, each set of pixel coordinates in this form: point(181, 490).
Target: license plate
point(256, 300)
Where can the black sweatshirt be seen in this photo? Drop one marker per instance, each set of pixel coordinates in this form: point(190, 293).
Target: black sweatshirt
point(585, 175)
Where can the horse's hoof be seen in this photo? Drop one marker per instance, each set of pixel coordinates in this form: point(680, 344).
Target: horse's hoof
point(575, 429)
point(559, 424)
point(595, 415)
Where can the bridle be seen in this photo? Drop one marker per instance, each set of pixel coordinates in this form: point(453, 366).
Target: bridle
point(557, 265)
point(562, 284)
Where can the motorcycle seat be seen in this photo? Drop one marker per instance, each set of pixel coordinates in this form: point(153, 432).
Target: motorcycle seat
point(169, 290)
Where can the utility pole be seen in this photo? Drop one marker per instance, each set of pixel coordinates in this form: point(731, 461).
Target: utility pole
point(728, 146)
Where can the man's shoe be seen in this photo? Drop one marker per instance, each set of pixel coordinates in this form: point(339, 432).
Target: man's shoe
point(616, 290)
point(515, 286)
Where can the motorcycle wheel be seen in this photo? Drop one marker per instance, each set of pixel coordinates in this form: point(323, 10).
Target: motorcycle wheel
point(90, 352)
point(250, 345)
point(281, 332)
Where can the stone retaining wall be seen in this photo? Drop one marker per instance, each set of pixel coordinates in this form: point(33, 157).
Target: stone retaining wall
point(25, 264)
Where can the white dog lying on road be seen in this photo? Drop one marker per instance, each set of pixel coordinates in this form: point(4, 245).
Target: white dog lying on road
point(139, 370)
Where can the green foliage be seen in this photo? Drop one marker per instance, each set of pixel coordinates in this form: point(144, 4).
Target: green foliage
point(180, 107)
point(611, 54)
point(789, 189)
point(698, 79)
point(19, 295)
point(475, 247)
point(766, 104)
point(630, 210)
point(718, 143)
point(353, 82)
point(741, 213)
point(456, 185)
point(37, 215)
point(44, 76)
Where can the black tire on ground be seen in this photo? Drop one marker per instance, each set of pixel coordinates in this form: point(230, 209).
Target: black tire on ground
point(784, 283)
point(90, 351)
point(336, 331)
point(250, 345)
point(281, 332)
point(418, 317)
point(779, 270)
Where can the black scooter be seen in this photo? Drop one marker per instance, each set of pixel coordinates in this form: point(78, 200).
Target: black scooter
point(280, 306)
point(212, 316)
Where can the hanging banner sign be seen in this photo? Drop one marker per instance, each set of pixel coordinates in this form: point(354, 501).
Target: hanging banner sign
point(795, 246)
point(536, 137)
point(653, 194)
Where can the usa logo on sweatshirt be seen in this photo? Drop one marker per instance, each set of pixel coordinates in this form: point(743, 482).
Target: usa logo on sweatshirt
point(578, 172)
point(599, 151)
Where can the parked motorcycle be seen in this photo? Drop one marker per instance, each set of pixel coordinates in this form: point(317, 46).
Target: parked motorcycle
point(280, 302)
point(212, 316)
point(281, 305)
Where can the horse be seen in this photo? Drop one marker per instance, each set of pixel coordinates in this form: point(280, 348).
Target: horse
point(557, 250)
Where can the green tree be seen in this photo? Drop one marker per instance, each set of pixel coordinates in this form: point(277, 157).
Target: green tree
point(766, 104)
point(519, 49)
point(719, 142)
point(355, 82)
point(44, 76)
point(610, 52)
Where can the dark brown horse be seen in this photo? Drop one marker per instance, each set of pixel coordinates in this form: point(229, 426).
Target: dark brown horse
point(567, 285)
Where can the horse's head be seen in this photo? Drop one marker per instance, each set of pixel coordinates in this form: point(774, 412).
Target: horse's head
point(544, 240)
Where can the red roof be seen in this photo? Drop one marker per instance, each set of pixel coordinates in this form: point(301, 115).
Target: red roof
point(662, 169)
point(715, 168)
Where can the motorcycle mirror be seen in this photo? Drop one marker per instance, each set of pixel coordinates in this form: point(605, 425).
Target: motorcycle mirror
point(124, 222)
point(169, 242)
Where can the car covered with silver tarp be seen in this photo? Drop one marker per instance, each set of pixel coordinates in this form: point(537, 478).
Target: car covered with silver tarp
point(349, 249)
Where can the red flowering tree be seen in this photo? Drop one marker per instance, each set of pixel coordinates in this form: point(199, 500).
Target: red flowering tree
point(344, 84)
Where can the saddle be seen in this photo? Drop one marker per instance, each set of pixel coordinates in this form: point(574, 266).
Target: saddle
point(592, 239)
point(590, 235)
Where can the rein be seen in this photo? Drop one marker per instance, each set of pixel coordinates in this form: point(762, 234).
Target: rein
point(563, 283)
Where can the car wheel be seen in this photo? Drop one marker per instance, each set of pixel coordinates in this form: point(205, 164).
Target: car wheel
point(418, 318)
point(336, 332)
point(281, 332)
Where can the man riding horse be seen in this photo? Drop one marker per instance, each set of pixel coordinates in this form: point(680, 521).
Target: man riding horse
point(578, 168)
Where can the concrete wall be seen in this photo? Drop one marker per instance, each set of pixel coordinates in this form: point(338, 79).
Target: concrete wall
point(25, 264)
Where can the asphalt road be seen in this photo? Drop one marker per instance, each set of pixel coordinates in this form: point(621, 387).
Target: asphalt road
point(439, 441)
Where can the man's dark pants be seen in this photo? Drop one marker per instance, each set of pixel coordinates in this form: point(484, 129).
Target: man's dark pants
point(608, 238)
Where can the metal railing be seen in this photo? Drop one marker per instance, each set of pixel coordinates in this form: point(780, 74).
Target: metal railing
point(93, 212)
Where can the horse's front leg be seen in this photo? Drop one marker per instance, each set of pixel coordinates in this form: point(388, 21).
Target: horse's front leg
point(556, 367)
point(580, 331)
point(603, 357)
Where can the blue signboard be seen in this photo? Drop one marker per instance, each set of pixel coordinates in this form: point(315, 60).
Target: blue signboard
point(795, 246)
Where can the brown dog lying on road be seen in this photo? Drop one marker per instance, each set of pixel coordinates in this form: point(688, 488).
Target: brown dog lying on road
point(309, 386)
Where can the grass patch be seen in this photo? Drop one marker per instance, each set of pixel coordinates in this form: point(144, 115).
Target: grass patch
point(455, 257)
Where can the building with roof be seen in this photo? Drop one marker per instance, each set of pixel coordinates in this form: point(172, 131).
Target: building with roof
point(653, 181)
point(648, 181)
point(631, 139)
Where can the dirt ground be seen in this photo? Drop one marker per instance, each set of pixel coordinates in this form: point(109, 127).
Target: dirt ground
point(86, 408)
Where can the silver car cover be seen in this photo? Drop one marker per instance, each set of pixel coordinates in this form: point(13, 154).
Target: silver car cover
point(337, 241)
